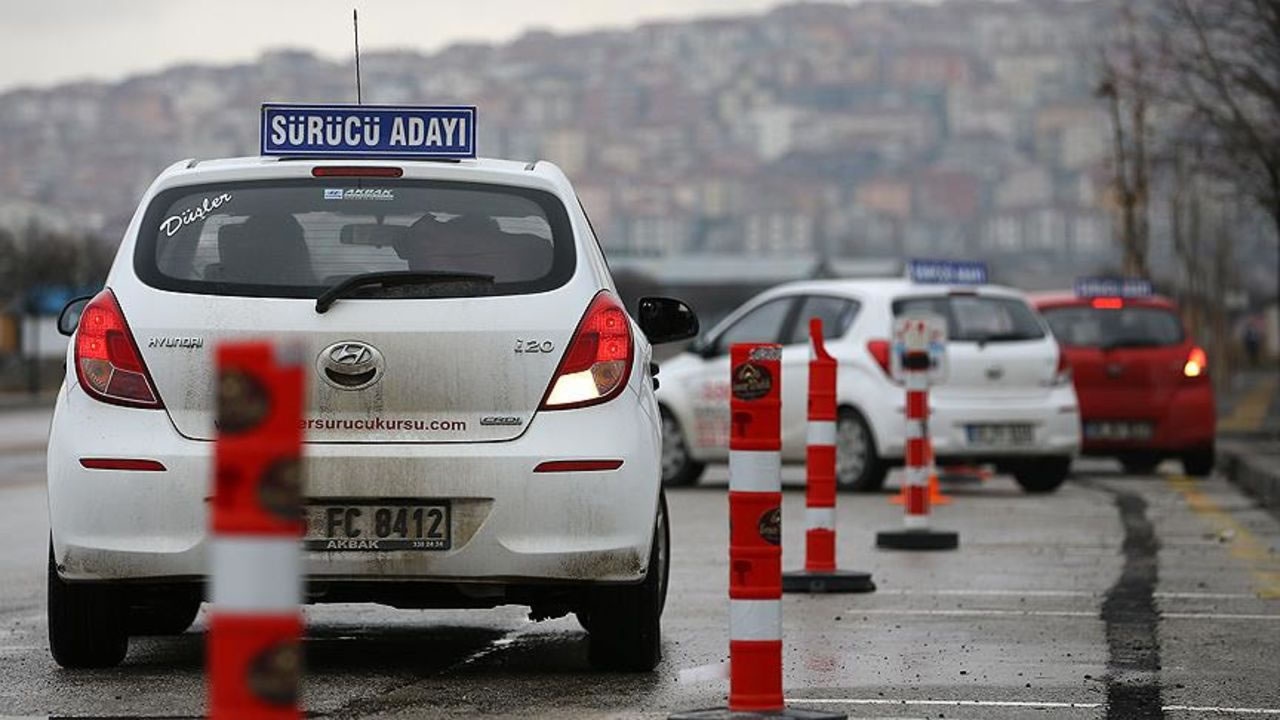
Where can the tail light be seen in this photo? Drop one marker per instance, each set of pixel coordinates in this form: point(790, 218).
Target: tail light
point(1197, 364)
point(1108, 303)
point(597, 364)
point(1062, 373)
point(879, 350)
point(108, 363)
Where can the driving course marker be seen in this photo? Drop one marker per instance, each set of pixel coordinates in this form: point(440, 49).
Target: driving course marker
point(254, 655)
point(919, 343)
point(755, 537)
point(820, 574)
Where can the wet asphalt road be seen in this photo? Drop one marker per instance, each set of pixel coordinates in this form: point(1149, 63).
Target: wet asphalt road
point(1117, 597)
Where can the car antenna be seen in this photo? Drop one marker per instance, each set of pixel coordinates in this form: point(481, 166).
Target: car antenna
point(355, 29)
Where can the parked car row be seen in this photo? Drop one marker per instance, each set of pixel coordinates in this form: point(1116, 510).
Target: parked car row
point(1030, 383)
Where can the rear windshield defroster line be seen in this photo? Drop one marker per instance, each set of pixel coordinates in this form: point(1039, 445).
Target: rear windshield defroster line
point(522, 236)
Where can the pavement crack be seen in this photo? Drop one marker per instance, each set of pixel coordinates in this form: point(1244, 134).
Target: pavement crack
point(1131, 617)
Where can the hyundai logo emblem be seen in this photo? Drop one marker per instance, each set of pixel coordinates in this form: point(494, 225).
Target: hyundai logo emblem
point(350, 365)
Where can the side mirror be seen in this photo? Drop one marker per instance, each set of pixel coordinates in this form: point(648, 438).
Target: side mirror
point(69, 318)
point(665, 320)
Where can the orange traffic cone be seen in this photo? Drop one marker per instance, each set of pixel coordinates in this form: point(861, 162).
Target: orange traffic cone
point(936, 496)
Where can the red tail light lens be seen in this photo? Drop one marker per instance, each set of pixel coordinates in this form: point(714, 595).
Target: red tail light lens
point(879, 350)
point(359, 171)
point(1062, 373)
point(1197, 364)
point(597, 364)
point(1108, 303)
point(108, 363)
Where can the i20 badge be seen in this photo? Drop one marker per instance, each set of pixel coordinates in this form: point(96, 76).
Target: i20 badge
point(350, 365)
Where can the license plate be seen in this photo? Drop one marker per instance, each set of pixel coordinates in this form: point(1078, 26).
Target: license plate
point(1117, 430)
point(378, 527)
point(1001, 435)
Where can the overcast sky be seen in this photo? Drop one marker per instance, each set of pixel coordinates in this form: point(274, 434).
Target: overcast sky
point(44, 42)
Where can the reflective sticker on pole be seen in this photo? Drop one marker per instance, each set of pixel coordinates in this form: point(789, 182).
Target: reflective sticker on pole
point(755, 529)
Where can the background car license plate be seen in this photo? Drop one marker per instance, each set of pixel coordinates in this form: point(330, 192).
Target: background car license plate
point(377, 527)
point(1019, 435)
point(1117, 430)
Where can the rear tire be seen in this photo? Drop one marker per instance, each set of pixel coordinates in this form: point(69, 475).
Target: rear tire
point(169, 615)
point(858, 465)
point(87, 626)
point(625, 620)
point(1199, 463)
point(679, 469)
point(1141, 464)
point(1043, 475)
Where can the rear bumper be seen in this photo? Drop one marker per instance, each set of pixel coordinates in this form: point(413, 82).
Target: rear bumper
point(1184, 421)
point(510, 525)
point(1054, 417)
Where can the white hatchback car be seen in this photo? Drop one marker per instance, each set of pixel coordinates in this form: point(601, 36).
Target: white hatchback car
point(467, 356)
point(1007, 398)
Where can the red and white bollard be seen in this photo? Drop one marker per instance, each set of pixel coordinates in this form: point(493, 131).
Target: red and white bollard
point(917, 535)
point(255, 629)
point(755, 537)
point(820, 574)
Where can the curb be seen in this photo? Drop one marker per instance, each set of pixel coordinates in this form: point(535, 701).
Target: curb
point(1254, 472)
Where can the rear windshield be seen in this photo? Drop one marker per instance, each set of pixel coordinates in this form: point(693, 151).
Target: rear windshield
point(296, 238)
point(978, 318)
point(1123, 327)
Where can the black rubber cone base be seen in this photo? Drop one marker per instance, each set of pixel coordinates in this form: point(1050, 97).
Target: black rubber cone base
point(727, 714)
point(918, 540)
point(837, 581)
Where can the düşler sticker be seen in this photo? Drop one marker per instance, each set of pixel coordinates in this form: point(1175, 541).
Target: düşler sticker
point(174, 223)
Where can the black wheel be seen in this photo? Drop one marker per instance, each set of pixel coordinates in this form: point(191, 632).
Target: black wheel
point(168, 614)
point(1043, 475)
point(1140, 464)
point(624, 621)
point(858, 465)
point(86, 622)
point(679, 469)
point(1198, 463)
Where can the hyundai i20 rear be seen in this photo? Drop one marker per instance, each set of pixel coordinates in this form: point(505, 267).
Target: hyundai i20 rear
point(1144, 387)
point(480, 420)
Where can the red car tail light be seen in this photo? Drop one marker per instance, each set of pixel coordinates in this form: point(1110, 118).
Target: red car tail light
point(597, 364)
point(108, 364)
point(1108, 303)
point(1197, 364)
point(879, 349)
point(359, 171)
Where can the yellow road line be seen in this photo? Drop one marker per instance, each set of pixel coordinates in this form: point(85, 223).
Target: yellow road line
point(1251, 411)
point(1245, 547)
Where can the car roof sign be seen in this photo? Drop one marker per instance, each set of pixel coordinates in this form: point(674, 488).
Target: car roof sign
point(947, 272)
point(1090, 287)
point(435, 132)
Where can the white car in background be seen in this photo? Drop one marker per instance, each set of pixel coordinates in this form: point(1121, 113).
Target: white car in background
point(1007, 398)
point(480, 414)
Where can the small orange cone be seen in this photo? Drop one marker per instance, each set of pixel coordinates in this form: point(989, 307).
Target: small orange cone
point(936, 496)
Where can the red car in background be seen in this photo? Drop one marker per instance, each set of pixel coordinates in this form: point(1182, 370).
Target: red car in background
point(1142, 382)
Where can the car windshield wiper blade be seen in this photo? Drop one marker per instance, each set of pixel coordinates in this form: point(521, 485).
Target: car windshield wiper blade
point(395, 277)
point(1001, 337)
point(1131, 342)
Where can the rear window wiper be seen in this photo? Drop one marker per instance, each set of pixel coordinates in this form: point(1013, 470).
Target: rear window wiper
point(1000, 337)
point(395, 277)
point(1132, 343)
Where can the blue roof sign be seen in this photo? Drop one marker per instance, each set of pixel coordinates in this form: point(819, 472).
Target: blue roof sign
point(364, 131)
point(947, 272)
point(1113, 287)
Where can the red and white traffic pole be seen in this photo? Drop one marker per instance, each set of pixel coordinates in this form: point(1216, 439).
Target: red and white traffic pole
point(820, 574)
point(917, 534)
point(755, 537)
point(255, 629)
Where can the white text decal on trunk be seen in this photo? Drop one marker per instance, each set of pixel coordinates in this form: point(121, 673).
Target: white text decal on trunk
point(174, 223)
